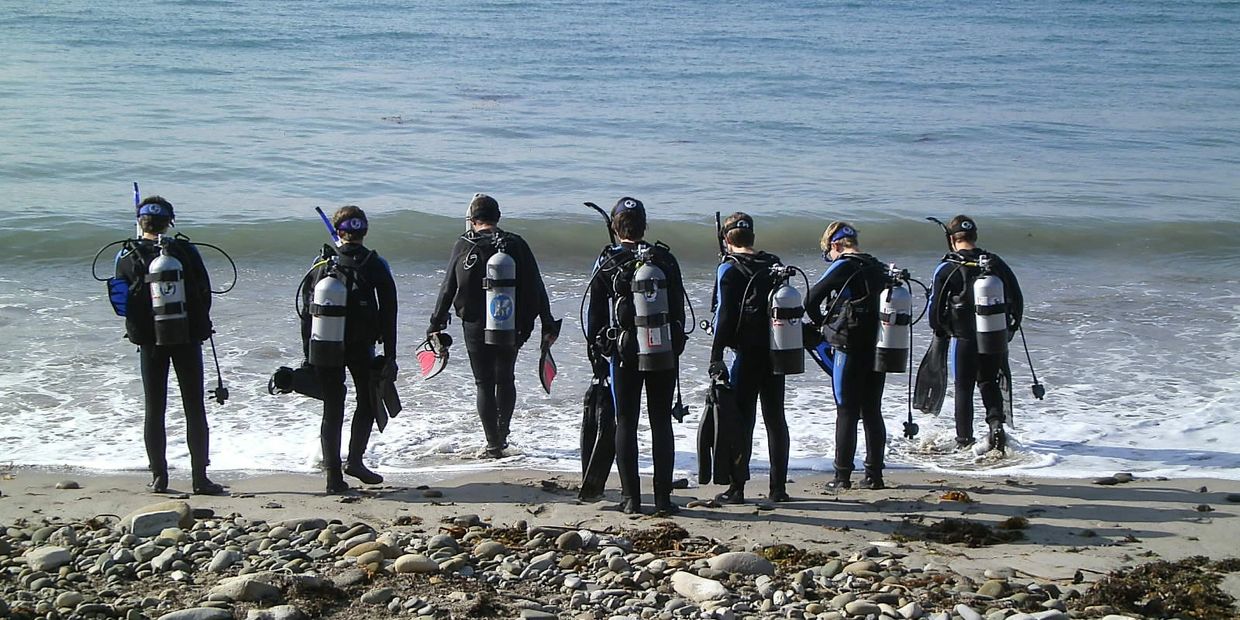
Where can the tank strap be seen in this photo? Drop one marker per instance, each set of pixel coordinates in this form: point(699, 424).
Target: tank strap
point(999, 308)
point(895, 318)
point(162, 276)
point(787, 313)
point(488, 283)
point(173, 308)
point(321, 310)
point(648, 286)
point(657, 320)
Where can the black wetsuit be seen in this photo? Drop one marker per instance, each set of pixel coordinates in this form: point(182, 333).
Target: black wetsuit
point(858, 279)
point(611, 306)
point(493, 365)
point(370, 318)
point(951, 313)
point(742, 287)
point(155, 359)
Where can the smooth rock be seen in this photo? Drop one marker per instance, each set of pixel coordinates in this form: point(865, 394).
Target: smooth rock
point(199, 613)
point(995, 588)
point(488, 549)
point(696, 588)
point(69, 599)
point(862, 566)
point(415, 563)
point(1106, 481)
point(47, 558)
point(441, 541)
point(568, 541)
point(184, 513)
point(1124, 477)
point(279, 612)
point(223, 560)
point(742, 563)
point(966, 612)
point(862, 608)
point(912, 611)
point(68, 485)
point(247, 589)
point(379, 596)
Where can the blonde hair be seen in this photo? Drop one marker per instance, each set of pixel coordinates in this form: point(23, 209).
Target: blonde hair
point(832, 228)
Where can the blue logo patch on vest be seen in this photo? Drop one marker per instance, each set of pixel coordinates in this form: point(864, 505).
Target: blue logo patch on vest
point(501, 308)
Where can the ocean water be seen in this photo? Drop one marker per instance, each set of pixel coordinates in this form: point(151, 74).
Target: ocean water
point(1096, 142)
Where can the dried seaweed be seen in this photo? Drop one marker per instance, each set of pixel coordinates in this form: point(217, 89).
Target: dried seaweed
point(791, 559)
point(956, 531)
point(1184, 589)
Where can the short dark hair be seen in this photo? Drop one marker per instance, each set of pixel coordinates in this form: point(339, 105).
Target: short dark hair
point(740, 236)
point(155, 224)
point(483, 208)
point(961, 234)
point(349, 212)
point(630, 224)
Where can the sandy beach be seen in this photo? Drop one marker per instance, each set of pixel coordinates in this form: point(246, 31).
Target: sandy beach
point(1076, 531)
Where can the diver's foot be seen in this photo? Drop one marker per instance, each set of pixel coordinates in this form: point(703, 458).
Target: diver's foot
point(159, 483)
point(734, 496)
point(964, 443)
point(493, 453)
point(336, 484)
point(203, 486)
point(873, 482)
point(630, 506)
point(779, 496)
point(839, 484)
point(361, 472)
point(665, 507)
point(998, 437)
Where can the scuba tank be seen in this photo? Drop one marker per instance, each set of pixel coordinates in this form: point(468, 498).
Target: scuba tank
point(991, 310)
point(650, 304)
point(895, 318)
point(168, 298)
point(500, 284)
point(327, 320)
point(786, 311)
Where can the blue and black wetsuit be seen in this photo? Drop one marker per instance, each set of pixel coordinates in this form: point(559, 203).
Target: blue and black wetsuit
point(612, 341)
point(370, 318)
point(493, 365)
point(854, 280)
point(951, 312)
point(155, 360)
point(742, 287)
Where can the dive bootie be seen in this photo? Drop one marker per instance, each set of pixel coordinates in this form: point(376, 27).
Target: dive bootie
point(363, 473)
point(734, 495)
point(998, 437)
point(159, 482)
point(335, 482)
point(630, 506)
point(873, 481)
point(204, 486)
point(663, 505)
point(964, 443)
point(840, 483)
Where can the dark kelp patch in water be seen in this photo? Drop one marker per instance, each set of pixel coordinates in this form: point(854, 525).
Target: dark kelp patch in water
point(1184, 589)
point(958, 531)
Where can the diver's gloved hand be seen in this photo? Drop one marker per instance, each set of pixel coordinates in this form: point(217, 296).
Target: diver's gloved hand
point(719, 372)
point(389, 369)
point(1011, 330)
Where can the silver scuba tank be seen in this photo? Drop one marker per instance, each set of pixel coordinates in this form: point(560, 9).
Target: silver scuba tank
point(165, 275)
point(991, 310)
point(327, 320)
point(500, 284)
point(895, 318)
point(650, 305)
point(786, 311)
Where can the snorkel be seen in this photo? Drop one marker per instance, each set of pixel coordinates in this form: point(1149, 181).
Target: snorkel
point(137, 200)
point(331, 230)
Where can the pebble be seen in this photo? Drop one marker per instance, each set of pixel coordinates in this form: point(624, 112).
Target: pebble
point(742, 563)
point(47, 558)
point(697, 589)
point(379, 596)
point(68, 485)
point(967, 613)
point(1124, 477)
point(69, 599)
point(198, 613)
point(1106, 481)
point(415, 563)
point(442, 541)
point(862, 608)
point(568, 541)
point(489, 549)
point(223, 560)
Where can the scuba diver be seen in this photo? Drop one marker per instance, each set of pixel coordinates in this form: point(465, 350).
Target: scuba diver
point(348, 305)
point(635, 333)
point(978, 357)
point(167, 311)
point(851, 288)
point(496, 289)
point(745, 282)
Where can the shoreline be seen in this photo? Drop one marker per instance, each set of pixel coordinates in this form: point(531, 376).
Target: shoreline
point(1076, 532)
